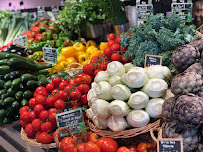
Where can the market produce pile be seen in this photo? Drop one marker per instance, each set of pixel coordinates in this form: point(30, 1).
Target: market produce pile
point(160, 35)
point(19, 78)
point(184, 112)
point(125, 95)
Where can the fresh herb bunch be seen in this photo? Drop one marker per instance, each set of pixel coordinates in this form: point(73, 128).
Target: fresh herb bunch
point(5, 14)
point(158, 36)
point(80, 13)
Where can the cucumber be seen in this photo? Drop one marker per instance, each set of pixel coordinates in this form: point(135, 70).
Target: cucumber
point(3, 55)
point(44, 72)
point(32, 84)
point(42, 80)
point(4, 96)
point(45, 66)
point(2, 83)
point(4, 62)
point(23, 87)
point(8, 84)
point(8, 101)
point(2, 116)
point(16, 83)
point(62, 74)
point(27, 94)
point(7, 77)
point(2, 91)
point(11, 91)
point(15, 105)
point(19, 96)
point(4, 69)
point(24, 102)
point(26, 77)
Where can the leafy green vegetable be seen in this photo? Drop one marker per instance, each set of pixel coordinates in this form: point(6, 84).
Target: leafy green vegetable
point(158, 36)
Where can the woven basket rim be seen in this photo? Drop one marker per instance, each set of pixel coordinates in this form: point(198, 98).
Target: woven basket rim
point(34, 143)
point(126, 133)
point(17, 122)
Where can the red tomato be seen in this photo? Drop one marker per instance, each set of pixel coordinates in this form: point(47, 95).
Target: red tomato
point(107, 144)
point(52, 110)
point(37, 136)
point(123, 149)
point(110, 43)
point(59, 104)
point(44, 115)
point(111, 36)
point(50, 101)
point(32, 103)
point(64, 80)
point(83, 100)
point(40, 89)
point(35, 94)
point(91, 147)
point(38, 108)
point(132, 148)
point(45, 138)
point(24, 108)
point(96, 71)
point(75, 104)
point(123, 49)
point(83, 88)
point(47, 126)
point(103, 66)
point(79, 75)
point(25, 117)
point(93, 137)
point(78, 80)
point(68, 148)
point(68, 88)
point(144, 147)
point(52, 117)
point(43, 93)
point(40, 99)
point(80, 147)
point(108, 52)
point(61, 95)
point(67, 140)
point(117, 40)
point(22, 123)
point(36, 124)
point(116, 57)
point(87, 78)
point(59, 138)
point(75, 95)
point(56, 81)
point(71, 82)
point(29, 130)
point(32, 116)
point(62, 85)
point(54, 91)
point(87, 69)
point(50, 87)
point(115, 47)
point(126, 60)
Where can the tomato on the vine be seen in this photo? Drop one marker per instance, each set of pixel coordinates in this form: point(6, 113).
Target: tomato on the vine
point(24, 108)
point(38, 108)
point(62, 95)
point(36, 124)
point(83, 88)
point(87, 78)
point(47, 126)
point(56, 81)
point(40, 99)
point(50, 87)
point(44, 115)
point(37, 136)
point(75, 104)
point(83, 100)
point(32, 103)
point(87, 69)
point(79, 75)
point(71, 82)
point(110, 43)
point(40, 89)
point(75, 95)
point(111, 36)
point(62, 85)
point(54, 91)
point(43, 93)
point(117, 40)
point(29, 130)
point(50, 101)
point(116, 57)
point(108, 52)
point(68, 88)
point(78, 80)
point(59, 104)
point(115, 47)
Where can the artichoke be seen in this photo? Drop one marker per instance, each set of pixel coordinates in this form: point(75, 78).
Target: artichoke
point(198, 44)
point(200, 94)
point(197, 68)
point(166, 108)
point(187, 82)
point(188, 110)
point(191, 136)
point(185, 56)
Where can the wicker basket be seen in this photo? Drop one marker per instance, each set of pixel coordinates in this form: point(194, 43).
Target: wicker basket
point(126, 133)
point(159, 131)
point(11, 124)
point(33, 142)
point(74, 71)
point(78, 138)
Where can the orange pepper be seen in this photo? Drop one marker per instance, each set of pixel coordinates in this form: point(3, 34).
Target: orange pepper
point(103, 46)
point(69, 51)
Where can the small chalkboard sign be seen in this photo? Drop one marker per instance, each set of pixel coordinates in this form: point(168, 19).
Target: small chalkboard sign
point(40, 12)
point(50, 54)
point(73, 120)
point(170, 145)
point(152, 60)
point(55, 11)
point(144, 11)
point(20, 40)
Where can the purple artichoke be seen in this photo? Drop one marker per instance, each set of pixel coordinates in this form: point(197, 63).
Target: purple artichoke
point(188, 110)
point(191, 136)
point(166, 108)
point(200, 93)
point(198, 44)
point(185, 56)
point(197, 68)
point(187, 82)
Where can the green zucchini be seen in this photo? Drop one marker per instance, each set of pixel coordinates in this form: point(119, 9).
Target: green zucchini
point(23, 87)
point(1, 101)
point(4, 69)
point(8, 84)
point(11, 91)
point(19, 96)
point(7, 77)
point(62, 74)
point(4, 62)
point(2, 116)
point(26, 77)
point(17, 74)
point(32, 84)
point(15, 105)
point(8, 101)
point(16, 83)
point(44, 72)
point(24, 102)
point(2, 91)
point(4, 96)
point(27, 94)
point(42, 80)
point(2, 83)
point(45, 66)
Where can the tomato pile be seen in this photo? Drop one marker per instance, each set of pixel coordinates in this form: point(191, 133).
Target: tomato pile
point(39, 117)
point(115, 51)
point(103, 144)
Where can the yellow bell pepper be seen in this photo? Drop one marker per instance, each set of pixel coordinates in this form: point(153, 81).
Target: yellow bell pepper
point(71, 60)
point(62, 65)
point(61, 58)
point(90, 43)
point(91, 49)
point(77, 55)
point(103, 46)
point(69, 51)
point(54, 69)
point(83, 59)
point(79, 47)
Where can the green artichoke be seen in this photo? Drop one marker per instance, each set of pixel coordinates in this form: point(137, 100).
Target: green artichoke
point(188, 82)
point(196, 67)
point(185, 56)
point(188, 110)
point(191, 136)
point(166, 108)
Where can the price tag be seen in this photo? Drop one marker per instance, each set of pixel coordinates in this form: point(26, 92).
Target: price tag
point(144, 11)
point(20, 40)
point(50, 54)
point(170, 145)
point(73, 120)
point(40, 12)
point(184, 10)
point(55, 11)
point(152, 60)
